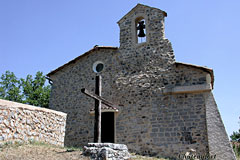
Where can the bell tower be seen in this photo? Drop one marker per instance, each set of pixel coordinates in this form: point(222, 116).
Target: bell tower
point(142, 39)
point(143, 24)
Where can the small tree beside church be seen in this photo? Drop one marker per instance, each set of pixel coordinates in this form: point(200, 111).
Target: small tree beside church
point(31, 90)
point(235, 136)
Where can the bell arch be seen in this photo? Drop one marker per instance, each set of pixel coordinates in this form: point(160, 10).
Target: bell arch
point(140, 30)
point(139, 24)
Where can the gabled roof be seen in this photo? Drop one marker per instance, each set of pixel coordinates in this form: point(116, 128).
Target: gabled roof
point(140, 5)
point(209, 70)
point(95, 48)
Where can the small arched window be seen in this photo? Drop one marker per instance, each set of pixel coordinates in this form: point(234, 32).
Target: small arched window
point(140, 30)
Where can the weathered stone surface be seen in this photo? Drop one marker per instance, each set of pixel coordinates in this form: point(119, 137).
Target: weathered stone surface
point(106, 151)
point(135, 76)
point(217, 141)
point(22, 123)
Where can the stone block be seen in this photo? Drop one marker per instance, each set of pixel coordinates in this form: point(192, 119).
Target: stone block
point(106, 151)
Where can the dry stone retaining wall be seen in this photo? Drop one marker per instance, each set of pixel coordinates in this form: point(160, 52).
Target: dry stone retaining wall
point(21, 122)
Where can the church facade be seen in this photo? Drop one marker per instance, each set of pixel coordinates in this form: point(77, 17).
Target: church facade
point(163, 107)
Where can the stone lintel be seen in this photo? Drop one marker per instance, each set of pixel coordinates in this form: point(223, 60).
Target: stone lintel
point(188, 89)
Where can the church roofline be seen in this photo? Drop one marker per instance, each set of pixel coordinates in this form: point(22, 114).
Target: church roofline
point(206, 69)
point(138, 5)
point(95, 48)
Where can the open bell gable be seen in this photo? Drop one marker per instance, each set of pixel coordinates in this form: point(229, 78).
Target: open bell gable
point(154, 22)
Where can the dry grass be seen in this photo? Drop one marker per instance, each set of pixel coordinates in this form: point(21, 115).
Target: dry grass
point(138, 157)
point(42, 151)
point(39, 151)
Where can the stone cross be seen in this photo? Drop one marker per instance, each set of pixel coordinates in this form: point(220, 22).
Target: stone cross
point(98, 102)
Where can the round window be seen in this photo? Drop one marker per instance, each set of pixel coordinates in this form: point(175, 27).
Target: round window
point(98, 66)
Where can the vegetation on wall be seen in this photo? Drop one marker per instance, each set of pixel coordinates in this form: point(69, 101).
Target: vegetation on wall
point(235, 138)
point(31, 90)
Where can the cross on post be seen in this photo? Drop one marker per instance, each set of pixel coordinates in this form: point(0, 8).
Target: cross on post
point(98, 102)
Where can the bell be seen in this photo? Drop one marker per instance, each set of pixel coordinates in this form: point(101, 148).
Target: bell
point(141, 33)
point(141, 27)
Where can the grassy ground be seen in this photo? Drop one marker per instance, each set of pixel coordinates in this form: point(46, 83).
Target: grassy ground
point(42, 151)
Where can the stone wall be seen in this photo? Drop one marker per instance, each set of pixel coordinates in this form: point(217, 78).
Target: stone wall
point(151, 122)
point(162, 103)
point(217, 136)
point(66, 94)
point(148, 121)
point(21, 122)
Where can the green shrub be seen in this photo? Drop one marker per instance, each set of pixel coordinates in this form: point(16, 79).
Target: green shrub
point(236, 148)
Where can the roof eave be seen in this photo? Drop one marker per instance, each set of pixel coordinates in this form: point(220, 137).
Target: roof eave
point(206, 69)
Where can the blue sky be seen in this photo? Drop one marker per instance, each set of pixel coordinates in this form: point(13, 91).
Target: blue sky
point(43, 35)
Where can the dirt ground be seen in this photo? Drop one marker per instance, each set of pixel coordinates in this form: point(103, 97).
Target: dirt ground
point(42, 151)
point(36, 152)
point(47, 152)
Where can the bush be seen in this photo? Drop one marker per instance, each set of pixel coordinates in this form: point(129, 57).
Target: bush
point(236, 148)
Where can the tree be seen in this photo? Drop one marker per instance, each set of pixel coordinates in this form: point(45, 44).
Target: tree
point(31, 90)
point(235, 138)
point(34, 90)
point(10, 87)
point(236, 135)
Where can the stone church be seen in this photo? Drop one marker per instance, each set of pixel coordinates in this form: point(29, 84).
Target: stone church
point(163, 107)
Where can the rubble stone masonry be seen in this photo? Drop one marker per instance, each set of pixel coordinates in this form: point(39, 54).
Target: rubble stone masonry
point(162, 103)
point(21, 122)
